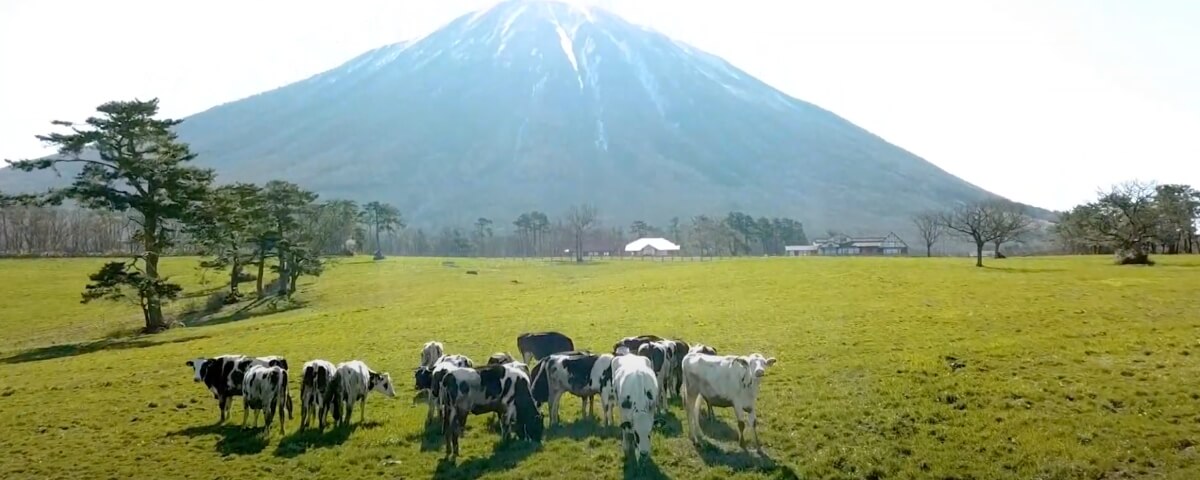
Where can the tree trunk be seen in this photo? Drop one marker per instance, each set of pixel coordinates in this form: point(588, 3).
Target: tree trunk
point(979, 254)
point(284, 275)
point(262, 266)
point(378, 246)
point(928, 249)
point(578, 246)
point(235, 272)
point(154, 315)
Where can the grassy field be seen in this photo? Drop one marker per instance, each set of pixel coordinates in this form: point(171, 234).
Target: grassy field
point(888, 368)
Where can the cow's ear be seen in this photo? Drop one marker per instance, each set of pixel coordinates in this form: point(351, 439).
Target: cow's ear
point(770, 361)
point(741, 361)
point(190, 364)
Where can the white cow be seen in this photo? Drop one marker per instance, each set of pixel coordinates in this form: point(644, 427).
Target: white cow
point(727, 381)
point(431, 352)
point(635, 390)
point(351, 382)
point(264, 389)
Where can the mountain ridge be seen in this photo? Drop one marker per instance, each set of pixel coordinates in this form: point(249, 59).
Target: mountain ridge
point(537, 104)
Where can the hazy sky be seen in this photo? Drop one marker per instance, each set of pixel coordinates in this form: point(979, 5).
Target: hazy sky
point(1041, 101)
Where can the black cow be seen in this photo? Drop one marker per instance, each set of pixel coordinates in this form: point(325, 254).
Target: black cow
point(493, 388)
point(224, 375)
point(536, 346)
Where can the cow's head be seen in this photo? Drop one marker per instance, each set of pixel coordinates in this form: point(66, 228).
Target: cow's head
point(758, 364)
point(639, 424)
point(529, 421)
point(199, 365)
point(702, 348)
point(423, 378)
point(382, 383)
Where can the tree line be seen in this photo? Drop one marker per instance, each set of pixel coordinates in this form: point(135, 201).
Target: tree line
point(1134, 220)
point(1131, 220)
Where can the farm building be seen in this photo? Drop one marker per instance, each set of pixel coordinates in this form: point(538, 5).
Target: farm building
point(890, 245)
point(801, 250)
point(651, 247)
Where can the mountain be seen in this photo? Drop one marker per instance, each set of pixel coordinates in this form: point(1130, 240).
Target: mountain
point(536, 104)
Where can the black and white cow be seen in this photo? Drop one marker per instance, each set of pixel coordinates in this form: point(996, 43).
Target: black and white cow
point(430, 379)
point(492, 388)
point(318, 375)
point(351, 382)
point(727, 381)
point(631, 344)
point(707, 350)
point(536, 346)
point(502, 358)
point(265, 389)
point(223, 376)
point(635, 390)
point(679, 349)
point(583, 375)
point(662, 360)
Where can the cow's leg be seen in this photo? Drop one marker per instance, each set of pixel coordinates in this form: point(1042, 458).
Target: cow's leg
point(223, 405)
point(362, 414)
point(741, 425)
point(691, 402)
point(303, 409)
point(432, 410)
point(752, 413)
point(245, 410)
point(554, 398)
point(447, 430)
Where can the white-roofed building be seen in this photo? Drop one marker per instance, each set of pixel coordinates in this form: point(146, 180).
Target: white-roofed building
point(651, 247)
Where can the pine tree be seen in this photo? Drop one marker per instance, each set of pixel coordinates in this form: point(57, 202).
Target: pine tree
point(132, 162)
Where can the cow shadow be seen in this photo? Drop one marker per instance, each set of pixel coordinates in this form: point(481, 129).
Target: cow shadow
point(742, 460)
point(717, 429)
point(83, 348)
point(505, 456)
point(582, 429)
point(430, 437)
point(234, 439)
point(668, 424)
point(314, 438)
point(647, 469)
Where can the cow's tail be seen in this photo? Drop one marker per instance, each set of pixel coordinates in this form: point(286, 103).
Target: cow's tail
point(284, 397)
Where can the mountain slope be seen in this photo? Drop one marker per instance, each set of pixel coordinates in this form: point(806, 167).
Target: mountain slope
point(536, 104)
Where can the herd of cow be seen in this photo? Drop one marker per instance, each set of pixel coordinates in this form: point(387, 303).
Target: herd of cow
point(637, 379)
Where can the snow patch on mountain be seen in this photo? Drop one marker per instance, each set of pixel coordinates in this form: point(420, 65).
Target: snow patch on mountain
point(569, 49)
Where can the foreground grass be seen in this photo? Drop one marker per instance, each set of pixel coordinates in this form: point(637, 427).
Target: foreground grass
point(889, 368)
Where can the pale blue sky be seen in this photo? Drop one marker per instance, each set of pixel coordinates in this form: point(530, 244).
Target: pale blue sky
point(1040, 101)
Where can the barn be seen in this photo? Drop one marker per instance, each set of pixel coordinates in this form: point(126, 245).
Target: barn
point(888, 245)
point(655, 247)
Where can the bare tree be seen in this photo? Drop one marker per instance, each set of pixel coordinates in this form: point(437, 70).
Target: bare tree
point(1009, 222)
point(1124, 218)
point(580, 219)
point(930, 229)
point(979, 222)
